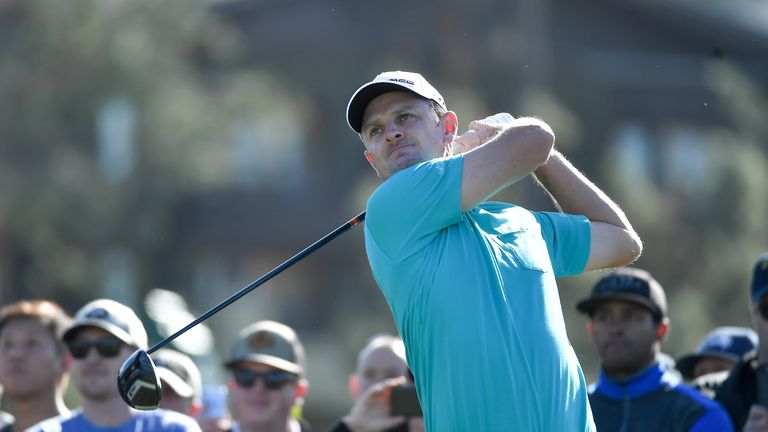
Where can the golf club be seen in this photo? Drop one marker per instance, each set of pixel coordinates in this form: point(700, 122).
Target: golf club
point(137, 380)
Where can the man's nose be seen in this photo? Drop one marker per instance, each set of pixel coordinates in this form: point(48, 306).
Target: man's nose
point(616, 326)
point(393, 133)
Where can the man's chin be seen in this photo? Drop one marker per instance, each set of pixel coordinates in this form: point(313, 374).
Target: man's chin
point(98, 395)
point(405, 164)
point(618, 361)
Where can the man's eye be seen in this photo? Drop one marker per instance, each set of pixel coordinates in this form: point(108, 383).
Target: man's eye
point(374, 131)
point(405, 116)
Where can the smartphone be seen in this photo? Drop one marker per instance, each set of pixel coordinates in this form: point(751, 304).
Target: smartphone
point(403, 401)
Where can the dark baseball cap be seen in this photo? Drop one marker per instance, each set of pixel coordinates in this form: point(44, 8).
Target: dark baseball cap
point(386, 82)
point(760, 278)
point(627, 284)
point(731, 343)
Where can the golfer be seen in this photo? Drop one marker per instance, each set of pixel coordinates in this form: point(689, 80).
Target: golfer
point(471, 283)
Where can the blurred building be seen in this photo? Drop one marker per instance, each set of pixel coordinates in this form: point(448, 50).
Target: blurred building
point(645, 96)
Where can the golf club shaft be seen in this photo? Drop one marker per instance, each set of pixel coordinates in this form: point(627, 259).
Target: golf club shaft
point(253, 285)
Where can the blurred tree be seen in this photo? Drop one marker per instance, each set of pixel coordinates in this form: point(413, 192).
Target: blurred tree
point(701, 241)
point(111, 113)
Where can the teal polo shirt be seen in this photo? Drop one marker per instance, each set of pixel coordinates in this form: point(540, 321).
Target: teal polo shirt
point(475, 300)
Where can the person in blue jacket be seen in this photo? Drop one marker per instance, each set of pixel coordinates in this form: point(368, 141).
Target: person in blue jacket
point(635, 391)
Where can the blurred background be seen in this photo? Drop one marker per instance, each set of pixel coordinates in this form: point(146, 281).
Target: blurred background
point(166, 154)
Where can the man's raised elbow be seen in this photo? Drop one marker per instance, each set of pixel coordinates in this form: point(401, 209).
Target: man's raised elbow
point(633, 249)
point(545, 139)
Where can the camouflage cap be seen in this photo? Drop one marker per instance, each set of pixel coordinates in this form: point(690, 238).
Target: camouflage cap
point(270, 343)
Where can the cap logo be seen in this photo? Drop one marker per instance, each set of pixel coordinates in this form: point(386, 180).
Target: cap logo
point(104, 315)
point(98, 313)
point(403, 80)
point(623, 283)
point(721, 341)
point(261, 340)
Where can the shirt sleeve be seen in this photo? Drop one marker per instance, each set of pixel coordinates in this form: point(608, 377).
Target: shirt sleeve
point(413, 205)
point(568, 241)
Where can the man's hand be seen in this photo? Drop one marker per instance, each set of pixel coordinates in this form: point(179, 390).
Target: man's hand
point(481, 131)
point(370, 412)
point(757, 421)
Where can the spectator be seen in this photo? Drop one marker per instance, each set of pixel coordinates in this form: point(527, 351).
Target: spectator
point(739, 393)
point(180, 381)
point(721, 349)
point(105, 333)
point(268, 369)
point(34, 366)
point(381, 366)
point(635, 391)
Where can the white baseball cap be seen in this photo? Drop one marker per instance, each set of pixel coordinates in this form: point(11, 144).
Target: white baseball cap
point(179, 372)
point(113, 317)
point(387, 82)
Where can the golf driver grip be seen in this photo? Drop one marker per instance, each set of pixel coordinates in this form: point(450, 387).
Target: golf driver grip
point(253, 285)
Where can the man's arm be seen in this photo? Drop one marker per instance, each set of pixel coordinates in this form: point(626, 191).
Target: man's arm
point(500, 150)
point(614, 242)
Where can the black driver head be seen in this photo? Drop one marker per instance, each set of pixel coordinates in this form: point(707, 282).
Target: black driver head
point(138, 382)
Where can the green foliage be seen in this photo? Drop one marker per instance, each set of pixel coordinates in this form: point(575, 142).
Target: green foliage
point(60, 63)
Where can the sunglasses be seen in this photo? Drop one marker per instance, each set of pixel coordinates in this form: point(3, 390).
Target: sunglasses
point(274, 380)
point(106, 347)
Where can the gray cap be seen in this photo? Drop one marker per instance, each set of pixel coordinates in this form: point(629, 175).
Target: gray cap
point(179, 372)
point(270, 343)
point(113, 317)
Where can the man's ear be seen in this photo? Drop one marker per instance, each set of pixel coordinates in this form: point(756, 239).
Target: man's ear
point(662, 329)
point(353, 384)
point(370, 160)
point(302, 387)
point(67, 362)
point(590, 327)
point(195, 410)
point(451, 128)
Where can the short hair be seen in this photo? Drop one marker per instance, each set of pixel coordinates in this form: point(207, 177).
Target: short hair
point(46, 312)
point(382, 340)
point(437, 108)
